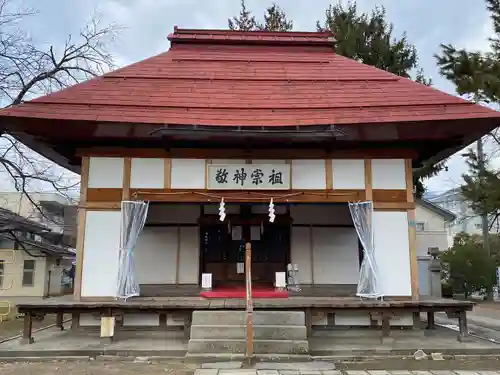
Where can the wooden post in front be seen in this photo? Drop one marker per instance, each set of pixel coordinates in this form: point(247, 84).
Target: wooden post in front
point(249, 303)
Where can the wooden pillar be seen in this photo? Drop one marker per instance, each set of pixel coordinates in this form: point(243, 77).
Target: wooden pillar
point(127, 172)
point(368, 180)
point(431, 325)
point(462, 326)
point(60, 320)
point(82, 214)
point(249, 302)
point(412, 233)
point(75, 321)
point(188, 319)
point(28, 329)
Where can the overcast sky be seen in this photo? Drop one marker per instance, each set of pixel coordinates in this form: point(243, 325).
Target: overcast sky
point(427, 23)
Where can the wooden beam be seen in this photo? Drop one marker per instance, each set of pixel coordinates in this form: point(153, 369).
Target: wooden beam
point(389, 195)
point(80, 237)
point(289, 196)
point(127, 171)
point(412, 242)
point(239, 153)
point(368, 180)
point(101, 206)
point(329, 174)
point(105, 195)
point(167, 177)
point(393, 206)
point(409, 181)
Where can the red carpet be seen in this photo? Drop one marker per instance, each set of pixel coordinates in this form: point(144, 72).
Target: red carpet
point(240, 293)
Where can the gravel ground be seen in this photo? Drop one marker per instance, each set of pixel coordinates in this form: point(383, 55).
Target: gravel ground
point(179, 367)
point(94, 368)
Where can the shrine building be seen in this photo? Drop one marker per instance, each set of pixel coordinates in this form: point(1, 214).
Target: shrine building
point(232, 138)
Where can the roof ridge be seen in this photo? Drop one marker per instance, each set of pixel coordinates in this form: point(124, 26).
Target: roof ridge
point(150, 105)
point(217, 36)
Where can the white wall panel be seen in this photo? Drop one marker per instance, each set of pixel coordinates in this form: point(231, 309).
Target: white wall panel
point(189, 256)
point(156, 255)
point(392, 252)
point(308, 174)
point(147, 173)
point(100, 253)
point(105, 172)
point(335, 256)
point(348, 174)
point(188, 174)
point(300, 253)
point(388, 174)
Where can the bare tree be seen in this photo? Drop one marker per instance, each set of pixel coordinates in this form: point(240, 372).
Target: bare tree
point(28, 71)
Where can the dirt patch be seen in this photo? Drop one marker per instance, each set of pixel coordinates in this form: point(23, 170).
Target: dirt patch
point(92, 368)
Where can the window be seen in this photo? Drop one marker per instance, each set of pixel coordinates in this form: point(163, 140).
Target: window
point(478, 226)
point(420, 226)
point(2, 272)
point(29, 272)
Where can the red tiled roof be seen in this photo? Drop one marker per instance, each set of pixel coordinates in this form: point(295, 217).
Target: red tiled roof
point(228, 78)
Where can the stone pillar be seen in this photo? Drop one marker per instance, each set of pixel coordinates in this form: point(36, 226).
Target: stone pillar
point(435, 273)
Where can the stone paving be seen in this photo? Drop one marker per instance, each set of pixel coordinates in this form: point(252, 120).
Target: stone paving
point(338, 372)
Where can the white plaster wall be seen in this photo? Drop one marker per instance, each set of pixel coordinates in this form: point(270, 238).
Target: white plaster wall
point(308, 174)
point(335, 256)
point(348, 174)
point(100, 253)
point(388, 174)
point(301, 253)
point(189, 263)
point(188, 174)
point(392, 252)
point(147, 173)
point(156, 255)
point(335, 253)
point(105, 172)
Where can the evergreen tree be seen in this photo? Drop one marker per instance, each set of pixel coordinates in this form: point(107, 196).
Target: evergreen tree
point(244, 22)
point(369, 39)
point(476, 76)
point(275, 20)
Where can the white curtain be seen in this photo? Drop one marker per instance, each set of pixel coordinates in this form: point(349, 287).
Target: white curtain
point(134, 215)
point(362, 216)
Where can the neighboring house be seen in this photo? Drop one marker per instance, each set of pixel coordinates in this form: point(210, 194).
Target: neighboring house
point(466, 220)
point(432, 227)
point(35, 245)
point(52, 210)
